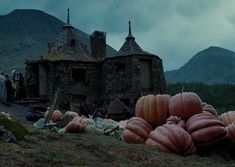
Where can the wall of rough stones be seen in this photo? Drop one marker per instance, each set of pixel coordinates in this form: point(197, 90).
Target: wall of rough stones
point(61, 74)
point(126, 83)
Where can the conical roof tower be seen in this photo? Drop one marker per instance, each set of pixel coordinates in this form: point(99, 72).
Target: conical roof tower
point(67, 45)
point(130, 46)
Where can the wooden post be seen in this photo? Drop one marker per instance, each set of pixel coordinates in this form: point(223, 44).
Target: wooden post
point(52, 107)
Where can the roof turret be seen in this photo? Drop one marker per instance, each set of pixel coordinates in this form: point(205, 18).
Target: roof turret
point(68, 25)
point(67, 46)
point(130, 46)
point(130, 36)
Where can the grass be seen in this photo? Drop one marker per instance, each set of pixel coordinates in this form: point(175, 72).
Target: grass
point(87, 149)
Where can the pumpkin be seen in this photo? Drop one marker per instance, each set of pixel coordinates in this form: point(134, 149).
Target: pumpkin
point(71, 114)
point(171, 138)
point(205, 129)
point(231, 132)
point(83, 121)
point(153, 109)
point(227, 117)
point(185, 105)
point(136, 131)
point(176, 121)
point(73, 127)
point(209, 109)
point(77, 119)
point(87, 121)
point(56, 115)
point(204, 104)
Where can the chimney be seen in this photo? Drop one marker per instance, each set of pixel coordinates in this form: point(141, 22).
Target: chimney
point(98, 45)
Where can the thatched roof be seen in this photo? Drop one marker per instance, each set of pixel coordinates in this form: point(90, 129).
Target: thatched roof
point(67, 46)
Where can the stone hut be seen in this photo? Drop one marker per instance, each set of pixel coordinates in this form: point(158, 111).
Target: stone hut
point(91, 75)
point(132, 72)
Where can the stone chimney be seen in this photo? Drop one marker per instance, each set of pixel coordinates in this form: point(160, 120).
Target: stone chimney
point(98, 45)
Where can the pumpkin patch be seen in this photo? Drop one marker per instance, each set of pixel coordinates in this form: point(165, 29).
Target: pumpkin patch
point(180, 124)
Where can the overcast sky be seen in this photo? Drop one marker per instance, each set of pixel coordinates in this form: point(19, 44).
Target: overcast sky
point(175, 30)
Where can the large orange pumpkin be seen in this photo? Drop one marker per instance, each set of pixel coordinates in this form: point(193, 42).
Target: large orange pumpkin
point(56, 115)
point(205, 129)
point(171, 138)
point(136, 131)
point(185, 105)
point(227, 117)
point(209, 109)
point(231, 132)
point(176, 121)
point(153, 109)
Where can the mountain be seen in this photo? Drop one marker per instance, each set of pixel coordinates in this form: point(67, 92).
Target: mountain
point(25, 33)
point(212, 65)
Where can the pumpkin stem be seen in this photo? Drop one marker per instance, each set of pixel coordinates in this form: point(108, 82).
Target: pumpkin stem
point(182, 90)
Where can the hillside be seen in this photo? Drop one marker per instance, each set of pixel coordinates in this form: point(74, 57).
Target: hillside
point(212, 65)
point(25, 34)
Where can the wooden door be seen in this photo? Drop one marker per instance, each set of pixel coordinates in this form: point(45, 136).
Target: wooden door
point(145, 74)
point(42, 80)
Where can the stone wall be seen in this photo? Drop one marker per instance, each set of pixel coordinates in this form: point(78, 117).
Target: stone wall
point(114, 77)
point(159, 82)
point(121, 78)
point(61, 74)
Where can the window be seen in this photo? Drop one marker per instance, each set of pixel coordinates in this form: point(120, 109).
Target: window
point(72, 43)
point(145, 74)
point(79, 74)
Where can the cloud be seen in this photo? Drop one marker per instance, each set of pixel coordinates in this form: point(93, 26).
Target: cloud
point(173, 29)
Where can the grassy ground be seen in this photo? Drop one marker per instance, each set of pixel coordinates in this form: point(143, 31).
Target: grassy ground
point(87, 149)
point(40, 148)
